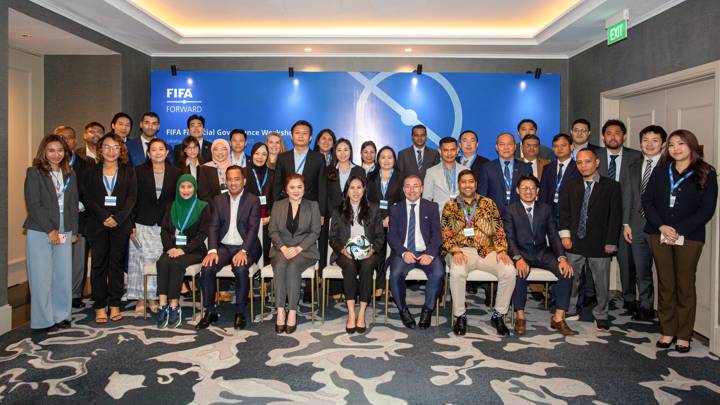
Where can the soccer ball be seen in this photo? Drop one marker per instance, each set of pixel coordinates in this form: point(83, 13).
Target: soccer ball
point(358, 247)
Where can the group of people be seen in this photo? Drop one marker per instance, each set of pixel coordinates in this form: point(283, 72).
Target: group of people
point(568, 210)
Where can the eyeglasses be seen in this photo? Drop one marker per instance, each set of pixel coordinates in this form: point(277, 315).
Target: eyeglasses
point(527, 188)
point(111, 147)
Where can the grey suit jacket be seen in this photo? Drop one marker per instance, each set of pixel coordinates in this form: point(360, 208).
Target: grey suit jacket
point(42, 203)
point(307, 233)
point(632, 204)
point(435, 186)
point(629, 156)
point(407, 161)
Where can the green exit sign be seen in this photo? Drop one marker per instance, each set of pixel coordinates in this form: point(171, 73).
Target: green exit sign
point(617, 32)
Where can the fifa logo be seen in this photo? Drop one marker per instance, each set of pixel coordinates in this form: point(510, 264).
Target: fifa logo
point(178, 93)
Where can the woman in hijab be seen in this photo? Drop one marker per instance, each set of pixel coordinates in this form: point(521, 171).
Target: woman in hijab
point(184, 229)
point(212, 174)
point(259, 180)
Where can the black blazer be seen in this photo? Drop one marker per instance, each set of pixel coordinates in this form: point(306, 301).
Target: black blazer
point(604, 215)
point(208, 183)
point(476, 166)
point(81, 166)
point(335, 195)
point(252, 187)
point(126, 192)
point(206, 151)
point(248, 222)
point(491, 182)
point(531, 243)
point(196, 233)
point(407, 161)
point(315, 179)
point(393, 194)
point(150, 210)
point(340, 231)
point(549, 178)
point(693, 207)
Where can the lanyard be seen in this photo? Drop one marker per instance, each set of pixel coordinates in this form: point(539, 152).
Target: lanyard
point(560, 177)
point(73, 159)
point(299, 167)
point(673, 184)
point(109, 187)
point(220, 174)
point(187, 218)
point(240, 161)
point(59, 187)
point(469, 216)
point(257, 180)
point(384, 185)
point(450, 178)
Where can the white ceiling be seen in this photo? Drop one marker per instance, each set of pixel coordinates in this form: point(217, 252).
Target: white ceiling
point(356, 28)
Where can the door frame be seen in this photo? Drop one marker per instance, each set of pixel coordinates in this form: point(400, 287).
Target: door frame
point(610, 108)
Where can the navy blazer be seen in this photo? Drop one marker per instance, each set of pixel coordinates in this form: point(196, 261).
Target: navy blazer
point(136, 155)
point(531, 243)
point(429, 227)
point(476, 166)
point(491, 183)
point(549, 178)
point(248, 222)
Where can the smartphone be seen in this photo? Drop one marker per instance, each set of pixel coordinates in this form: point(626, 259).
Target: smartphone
point(63, 238)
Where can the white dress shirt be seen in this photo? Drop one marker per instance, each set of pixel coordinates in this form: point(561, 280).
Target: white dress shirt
point(533, 163)
point(419, 241)
point(90, 153)
point(655, 159)
point(415, 152)
point(233, 237)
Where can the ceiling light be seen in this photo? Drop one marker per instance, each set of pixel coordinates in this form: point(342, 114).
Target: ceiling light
point(408, 49)
point(308, 49)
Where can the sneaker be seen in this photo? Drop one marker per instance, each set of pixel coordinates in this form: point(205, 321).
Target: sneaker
point(162, 317)
point(174, 317)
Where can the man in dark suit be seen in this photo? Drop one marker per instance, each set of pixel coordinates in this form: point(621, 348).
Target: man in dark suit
point(300, 159)
point(652, 143)
point(419, 157)
point(615, 159)
point(529, 225)
point(530, 146)
point(414, 238)
point(526, 127)
point(92, 133)
point(469, 157)
point(196, 129)
point(232, 240)
point(137, 147)
point(580, 132)
point(590, 220)
point(498, 176)
point(558, 172)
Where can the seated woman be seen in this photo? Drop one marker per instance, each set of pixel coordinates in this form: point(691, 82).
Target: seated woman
point(184, 229)
point(356, 218)
point(294, 231)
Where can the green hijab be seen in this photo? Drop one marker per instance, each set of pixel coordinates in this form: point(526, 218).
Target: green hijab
point(181, 207)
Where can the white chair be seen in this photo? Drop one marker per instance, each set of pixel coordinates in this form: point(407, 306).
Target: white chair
point(333, 272)
point(309, 274)
point(150, 270)
point(413, 275)
point(473, 276)
point(538, 275)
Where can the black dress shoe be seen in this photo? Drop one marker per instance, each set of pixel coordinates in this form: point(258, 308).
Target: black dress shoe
point(240, 321)
point(499, 323)
point(63, 325)
point(665, 345)
point(460, 327)
point(360, 330)
point(644, 314)
point(290, 328)
point(682, 349)
point(407, 319)
point(350, 331)
point(279, 328)
point(77, 303)
point(45, 330)
point(425, 318)
point(207, 320)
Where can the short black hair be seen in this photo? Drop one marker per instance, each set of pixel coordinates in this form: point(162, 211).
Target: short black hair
point(524, 120)
point(588, 150)
point(94, 124)
point(610, 123)
point(562, 135)
point(195, 117)
point(301, 122)
point(447, 139)
point(656, 129)
point(121, 115)
point(151, 114)
point(468, 131)
point(581, 121)
point(234, 167)
point(418, 126)
point(466, 172)
point(527, 176)
point(238, 131)
point(530, 137)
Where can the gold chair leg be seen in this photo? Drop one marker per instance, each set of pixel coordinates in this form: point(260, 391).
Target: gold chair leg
point(324, 298)
point(251, 297)
point(193, 296)
point(312, 300)
point(547, 292)
point(144, 296)
point(262, 298)
point(217, 290)
point(373, 301)
point(492, 295)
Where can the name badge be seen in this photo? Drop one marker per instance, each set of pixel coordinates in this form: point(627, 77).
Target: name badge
point(672, 200)
point(263, 200)
point(507, 193)
point(110, 201)
point(556, 199)
point(61, 205)
point(383, 204)
point(469, 232)
point(181, 240)
point(453, 196)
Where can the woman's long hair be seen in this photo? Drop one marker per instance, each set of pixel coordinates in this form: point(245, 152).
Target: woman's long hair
point(333, 173)
point(40, 161)
point(347, 211)
point(697, 164)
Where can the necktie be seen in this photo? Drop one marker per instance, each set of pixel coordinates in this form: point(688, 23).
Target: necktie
point(582, 230)
point(560, 173)
point(508, 181)
point(419, 160)
point(613, 167)
point(646, 176)
point(411, 230)
point(530, 218)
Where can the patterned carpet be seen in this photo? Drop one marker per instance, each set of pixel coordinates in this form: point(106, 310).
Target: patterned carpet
point(133, 362)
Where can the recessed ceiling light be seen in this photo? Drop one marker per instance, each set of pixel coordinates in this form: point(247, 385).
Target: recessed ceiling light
point(308, 49)
point(408, 49)
point(26, 35)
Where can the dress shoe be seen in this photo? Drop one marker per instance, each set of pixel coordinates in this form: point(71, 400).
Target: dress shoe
point(644, 315)
point(519, 326)
point(682, 349)
point(499, 323)
point(240, 321)
point(602, 324)
point(561, 326)
point(537, 296)
point(290, 328)
point(77, 303)
point(407, 319)
point(207, 320)
point(425, 318)
point(279, 328)
point(45, 330)
point(350, 330)
point(460, 327)
point(665, 345)
point(361, 329)
point(63, 325)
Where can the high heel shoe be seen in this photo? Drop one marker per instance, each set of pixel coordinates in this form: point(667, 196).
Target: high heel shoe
point(279, 328)
point(290, 328)
point(665, 345)
point(682, 349)
point(349, 330)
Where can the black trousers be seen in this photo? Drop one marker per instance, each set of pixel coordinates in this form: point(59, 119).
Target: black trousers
point(171, 272)
point(353, 270)
point(380, 262)
point(109, 251)
point(242, 281)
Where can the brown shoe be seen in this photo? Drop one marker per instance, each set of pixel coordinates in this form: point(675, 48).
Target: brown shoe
point(561, 327)
point(520, 326)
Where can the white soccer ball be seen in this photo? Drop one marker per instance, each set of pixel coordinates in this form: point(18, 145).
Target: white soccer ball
point(358, 247)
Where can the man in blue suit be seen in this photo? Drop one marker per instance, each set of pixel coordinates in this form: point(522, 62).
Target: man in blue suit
point(414, 239)
point(498, 176)
point(137, 147)
point(529, 225)
point(557, 173)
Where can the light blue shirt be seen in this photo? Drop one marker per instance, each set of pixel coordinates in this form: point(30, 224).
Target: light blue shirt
point(344, 176)
point(618, 162)
point(300, 157)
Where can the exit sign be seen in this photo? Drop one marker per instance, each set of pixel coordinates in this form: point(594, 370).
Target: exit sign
point(617, 32)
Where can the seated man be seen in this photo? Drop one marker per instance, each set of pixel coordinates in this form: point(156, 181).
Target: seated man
point(235, 224)
point(414, 239)
point(527, 225)
point(474, 239)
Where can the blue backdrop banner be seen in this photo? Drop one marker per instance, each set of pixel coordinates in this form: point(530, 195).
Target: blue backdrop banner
point(360, 106)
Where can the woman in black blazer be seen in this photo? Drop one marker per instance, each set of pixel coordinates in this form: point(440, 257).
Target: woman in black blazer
point(356, 218)
point(156, 181)
point(110, 194)
point(259, 181)
point(679, 200)
point(384, 188)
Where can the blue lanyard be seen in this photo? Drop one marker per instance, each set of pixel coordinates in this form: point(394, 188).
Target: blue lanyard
point(299, 167)
point(469, 217)
point(73, 159)
point(181, 229)
point(109, 187)
point(239, 161)
point(59, 187)
point(450, 179)
point(384, 185)
point(220, 174)
point(673, 184)
point(257, 180)
point(559, 178)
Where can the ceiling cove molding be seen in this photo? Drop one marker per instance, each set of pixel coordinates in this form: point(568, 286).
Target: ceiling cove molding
point(357, 55)
point(564, 21)
point(139, 14)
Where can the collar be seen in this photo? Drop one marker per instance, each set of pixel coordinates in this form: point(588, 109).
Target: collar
point(421, 150)
point(617, 154)
point(407, 202)
point(526, 205)
point(89, 153)
point(232, 200)
point(655, 159)
point(502, 161)
point(566, 162)
point(300, 153)
point(595, 178)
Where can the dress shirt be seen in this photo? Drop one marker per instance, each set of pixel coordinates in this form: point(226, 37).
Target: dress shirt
point(90, 153)
point(532, 163)
point(419, 241)
point(618, 162)
point(233, 237)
